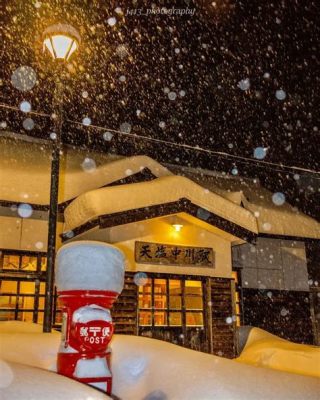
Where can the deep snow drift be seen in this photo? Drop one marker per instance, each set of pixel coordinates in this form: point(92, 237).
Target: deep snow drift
point(263, 349)
point(150, 369)
point(22, 382)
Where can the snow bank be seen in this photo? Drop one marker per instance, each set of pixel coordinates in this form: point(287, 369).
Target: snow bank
point(145, 368)
point(19, 382)
point(24, 342)
point(263, 349)
point(89, 265)
point(20, 327)
point(34, 349)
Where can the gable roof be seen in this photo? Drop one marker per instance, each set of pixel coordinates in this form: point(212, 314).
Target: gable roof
point(25, 176)
point(166, 190)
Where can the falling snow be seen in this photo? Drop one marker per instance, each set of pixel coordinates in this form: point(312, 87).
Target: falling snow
point(25, 106)
point(244, 84)
point(24, 78)
point(226, 96)
point(28, 124)
point(25, 210)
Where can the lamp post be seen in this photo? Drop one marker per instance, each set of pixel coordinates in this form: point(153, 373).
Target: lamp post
point(60, 41)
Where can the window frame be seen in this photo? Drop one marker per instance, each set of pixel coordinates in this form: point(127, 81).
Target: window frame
point(237, 291)
point(22, 275)
point(183, 310)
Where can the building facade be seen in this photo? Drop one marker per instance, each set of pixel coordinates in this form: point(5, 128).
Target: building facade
point(205, 253)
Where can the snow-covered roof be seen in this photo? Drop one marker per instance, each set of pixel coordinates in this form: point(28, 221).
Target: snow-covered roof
point(25, 171)
point(159, 191)
point(257, 218)
point(25, 177)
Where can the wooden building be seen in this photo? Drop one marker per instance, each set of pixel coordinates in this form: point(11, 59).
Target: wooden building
point(205, 252)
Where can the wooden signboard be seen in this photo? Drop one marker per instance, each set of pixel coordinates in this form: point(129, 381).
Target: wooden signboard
point(167, 254)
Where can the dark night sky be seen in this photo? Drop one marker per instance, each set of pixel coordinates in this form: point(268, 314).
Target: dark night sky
point(126, 73)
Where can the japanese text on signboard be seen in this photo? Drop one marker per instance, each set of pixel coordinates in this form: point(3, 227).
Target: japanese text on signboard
point(155, 253)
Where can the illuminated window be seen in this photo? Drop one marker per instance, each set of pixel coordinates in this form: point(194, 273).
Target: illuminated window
point(171, 303)
point(194, 319)
point(237, 297)
point(145, 318)
point(193, 302)
point(43, 263)
point(145, 296)
point(29, 263)
point(175, 319)
point(11, 262)
point(22, 287)
point(160, 318)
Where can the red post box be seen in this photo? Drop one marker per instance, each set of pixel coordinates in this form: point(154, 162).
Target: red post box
point(87, 324)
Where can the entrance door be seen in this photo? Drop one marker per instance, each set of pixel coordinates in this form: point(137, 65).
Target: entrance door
point(171, 309)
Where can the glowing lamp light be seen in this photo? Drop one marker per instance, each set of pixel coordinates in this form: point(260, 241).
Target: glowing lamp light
point(177, 227)
point(61, 41)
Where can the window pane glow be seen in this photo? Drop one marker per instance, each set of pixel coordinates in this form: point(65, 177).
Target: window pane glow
point(27, 288)
point(194, 303)
point(160, 318)
point(193, 287)
point(8, 287)
point(29, 263)
point(43, 263)
point(27, 302)
point(144, 301)
point(11, 262)
point(174, 286)
point(175, 319)
point(175, 302)
point(194, 319)
point(160, 301)
point(171, 302)
point(160, 286)
point(144, 318)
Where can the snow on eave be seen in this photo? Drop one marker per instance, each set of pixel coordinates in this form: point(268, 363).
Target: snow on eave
point(159, 191)
point(25, 168)
point(110, 200)
point(25, 173)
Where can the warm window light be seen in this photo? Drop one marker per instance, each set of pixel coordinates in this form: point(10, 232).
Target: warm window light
point(61, 41)
point(177, 227)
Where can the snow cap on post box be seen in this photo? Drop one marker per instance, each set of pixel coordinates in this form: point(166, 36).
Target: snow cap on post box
point(90, 265)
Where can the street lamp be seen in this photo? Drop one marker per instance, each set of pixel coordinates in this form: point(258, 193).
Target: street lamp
point(61, 41)
point(177, 227)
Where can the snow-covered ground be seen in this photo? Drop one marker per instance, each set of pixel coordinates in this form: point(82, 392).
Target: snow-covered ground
point(151, 370)
point(263, 349)
point(22, 382)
